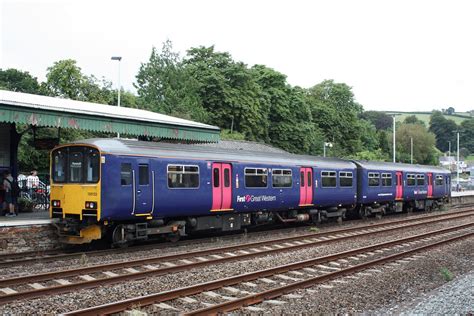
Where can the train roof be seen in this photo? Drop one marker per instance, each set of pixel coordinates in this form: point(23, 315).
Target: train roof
point(185, 151)
point(390, 166)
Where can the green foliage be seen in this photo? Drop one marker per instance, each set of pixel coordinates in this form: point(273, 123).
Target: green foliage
point(227, 135)
point(412, 119)
point(374, 155)
point(446, 274)
point(466, 136)
point(444, 131)
point(335, 112)
point(424, 151)
point(19, 81)
point(165, 86)
point(380, 120)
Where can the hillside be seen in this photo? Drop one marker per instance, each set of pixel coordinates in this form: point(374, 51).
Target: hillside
point(425, 116)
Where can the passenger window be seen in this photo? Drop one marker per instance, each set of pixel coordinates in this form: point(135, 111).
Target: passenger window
point(183, 177)
point(410, 180)
point(345, 179)
point(143, 177)
point(226, 178)
point(216, 178)
point(328, 179)
point(374, 179)
point(256, 177)
point(439, 180)
point(302, 178)
point(282, 178)
point(126, 174)
point(310, 181)
point(386, 179)
point(420, 179)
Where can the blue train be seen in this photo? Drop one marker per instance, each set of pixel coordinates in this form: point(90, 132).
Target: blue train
point(128, 190)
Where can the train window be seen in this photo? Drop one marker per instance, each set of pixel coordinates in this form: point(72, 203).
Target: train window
point(59, 166)
point(328, 179)
point(302, 178)
point(256, 177)
point(420, 179)
point(75, 166)
point(374, 179)
point(310, 181)
point(92, 165)
point(143, 175)
point(345, 179)
point(439, 180)
point(183, 177)
point(126, 174)
point(226, 178)
point(386, 179)
point(216, 178)
point(282, 178)
point(410, 180)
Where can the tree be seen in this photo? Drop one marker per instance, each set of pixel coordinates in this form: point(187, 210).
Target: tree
point(443, 129)
point(424, 151)
point(466, 136)
point(335, 111)
point(381, 120)
point(18, 81)
point(229, 92)
point(412, 119)
point(164, 86)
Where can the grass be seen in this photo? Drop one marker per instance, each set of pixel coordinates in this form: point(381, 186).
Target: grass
point(469, 158)
point(446, 274)
point(425, 117)
point(314, 229)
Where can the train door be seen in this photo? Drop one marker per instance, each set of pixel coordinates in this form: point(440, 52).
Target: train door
point(306, 186)
point(399, 182)
point(143, 184)
point(430, 185)
point(221, 187)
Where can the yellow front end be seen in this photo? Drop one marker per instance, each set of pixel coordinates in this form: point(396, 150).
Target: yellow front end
point(75, 193)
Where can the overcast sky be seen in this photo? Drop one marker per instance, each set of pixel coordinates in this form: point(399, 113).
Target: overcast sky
point(397, 55)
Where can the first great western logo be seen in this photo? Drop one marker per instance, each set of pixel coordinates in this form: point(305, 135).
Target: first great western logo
point(255, 198)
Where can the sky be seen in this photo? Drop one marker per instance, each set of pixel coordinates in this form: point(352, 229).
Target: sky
point(396, 55)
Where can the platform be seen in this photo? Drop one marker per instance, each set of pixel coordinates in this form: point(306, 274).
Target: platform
point(26, 219)
point(462, 193)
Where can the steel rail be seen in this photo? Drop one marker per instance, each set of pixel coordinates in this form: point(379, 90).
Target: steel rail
point(181, 267)
point(273, 293)
point(51, 255)
point(120, 306)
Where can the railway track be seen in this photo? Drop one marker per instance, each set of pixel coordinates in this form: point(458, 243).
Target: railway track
point(56, 282)
point(16, 259)
point(243, 290)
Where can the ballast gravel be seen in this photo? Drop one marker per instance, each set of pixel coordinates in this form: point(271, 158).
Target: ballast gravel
point(362, 302)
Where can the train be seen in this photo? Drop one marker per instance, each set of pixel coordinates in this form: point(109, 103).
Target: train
point(123, 191)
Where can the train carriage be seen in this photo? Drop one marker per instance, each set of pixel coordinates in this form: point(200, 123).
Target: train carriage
point(128, 190)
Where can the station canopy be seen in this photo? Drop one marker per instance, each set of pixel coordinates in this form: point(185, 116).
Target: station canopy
point(37, 110)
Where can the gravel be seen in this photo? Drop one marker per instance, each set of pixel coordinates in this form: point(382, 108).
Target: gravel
point(101, 295)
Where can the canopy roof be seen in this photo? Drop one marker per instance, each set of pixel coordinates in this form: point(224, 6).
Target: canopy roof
point(37, 110)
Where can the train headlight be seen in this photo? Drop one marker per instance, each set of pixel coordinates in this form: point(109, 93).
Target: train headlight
point(56, 203)
point(91, 205)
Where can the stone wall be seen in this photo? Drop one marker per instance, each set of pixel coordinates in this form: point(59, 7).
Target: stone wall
point(27, 238)
point(467, 199)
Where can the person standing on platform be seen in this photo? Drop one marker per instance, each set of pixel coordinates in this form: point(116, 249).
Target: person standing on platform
point(9, 185)
point(32, 182)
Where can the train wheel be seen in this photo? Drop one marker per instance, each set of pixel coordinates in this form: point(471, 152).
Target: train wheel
point(173, 237)
point(119, 237)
